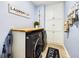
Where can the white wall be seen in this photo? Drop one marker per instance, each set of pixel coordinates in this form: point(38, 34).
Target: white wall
point(67, 6)
point(10, 20)
point(40, 10)
point(42, 16)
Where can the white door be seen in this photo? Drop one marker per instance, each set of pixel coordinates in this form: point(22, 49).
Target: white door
point(54, 23)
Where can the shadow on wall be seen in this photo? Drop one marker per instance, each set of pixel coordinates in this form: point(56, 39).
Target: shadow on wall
point(7, 46)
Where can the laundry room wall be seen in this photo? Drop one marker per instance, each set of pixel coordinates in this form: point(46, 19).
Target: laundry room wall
point(8, 21)
point(71, 38)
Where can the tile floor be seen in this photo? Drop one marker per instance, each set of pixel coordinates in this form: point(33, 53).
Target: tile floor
point(61, 50)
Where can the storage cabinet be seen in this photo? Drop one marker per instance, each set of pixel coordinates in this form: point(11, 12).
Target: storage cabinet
point(54, 23)
point(18, 47)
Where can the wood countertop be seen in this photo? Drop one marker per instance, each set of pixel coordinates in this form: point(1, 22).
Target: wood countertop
point(27, 29)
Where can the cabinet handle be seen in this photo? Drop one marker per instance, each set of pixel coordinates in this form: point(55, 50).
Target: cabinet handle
point(27, 37)
point(53, 24)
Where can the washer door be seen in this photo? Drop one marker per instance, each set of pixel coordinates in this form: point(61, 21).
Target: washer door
point(38, 49)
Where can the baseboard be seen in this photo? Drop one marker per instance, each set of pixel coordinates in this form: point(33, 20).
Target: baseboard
point(66, 52)
point(55, 43)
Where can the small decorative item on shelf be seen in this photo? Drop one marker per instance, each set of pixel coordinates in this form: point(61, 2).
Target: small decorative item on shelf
point(66, 26)
point(70, 21)
point(36, 24)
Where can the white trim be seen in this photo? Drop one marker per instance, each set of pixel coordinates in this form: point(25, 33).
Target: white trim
point(63, 47)
point(66, 52)
point(55, 43)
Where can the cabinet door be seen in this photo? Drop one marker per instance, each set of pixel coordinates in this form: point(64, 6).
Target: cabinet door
point(58, 36)
point(58, 10)
point(54, 17)
point(29, 47)
point(49, 12)
point(57, 25)
point(54, 25)
point(50, 36)
point(18, 48)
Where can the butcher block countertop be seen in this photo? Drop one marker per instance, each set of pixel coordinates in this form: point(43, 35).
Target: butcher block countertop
point(27, 29)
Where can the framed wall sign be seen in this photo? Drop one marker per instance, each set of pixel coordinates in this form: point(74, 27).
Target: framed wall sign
point(18, 12)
